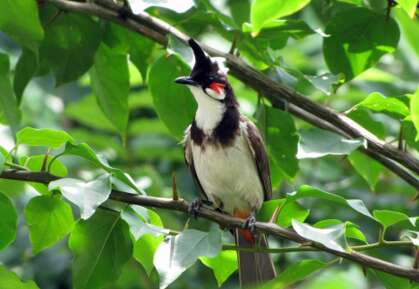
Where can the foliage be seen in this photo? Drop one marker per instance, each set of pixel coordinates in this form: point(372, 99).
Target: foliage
point(94, 104)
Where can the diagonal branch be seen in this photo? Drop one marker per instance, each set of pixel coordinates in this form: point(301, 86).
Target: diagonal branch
point(398, 161)
point(227, 222)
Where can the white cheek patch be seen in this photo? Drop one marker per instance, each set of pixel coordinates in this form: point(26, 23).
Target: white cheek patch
point(220, 95)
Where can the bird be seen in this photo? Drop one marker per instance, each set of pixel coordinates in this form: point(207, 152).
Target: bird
point(227, 158)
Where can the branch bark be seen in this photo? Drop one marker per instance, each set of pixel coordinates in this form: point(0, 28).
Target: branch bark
point(399, 162)
point(227, 222)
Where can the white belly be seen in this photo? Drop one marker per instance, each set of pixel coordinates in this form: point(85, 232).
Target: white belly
point(229, 175)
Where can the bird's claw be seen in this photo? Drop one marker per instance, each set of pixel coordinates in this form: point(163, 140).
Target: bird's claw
point(194, 208)
point(250, 224)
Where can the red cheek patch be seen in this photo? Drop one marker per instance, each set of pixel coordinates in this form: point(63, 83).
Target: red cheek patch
point(217, 86)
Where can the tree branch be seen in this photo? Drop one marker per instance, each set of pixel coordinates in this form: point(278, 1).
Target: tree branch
point(395, 160)
point(227, 222)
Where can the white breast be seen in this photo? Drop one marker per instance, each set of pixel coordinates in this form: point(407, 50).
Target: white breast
point(229, 174)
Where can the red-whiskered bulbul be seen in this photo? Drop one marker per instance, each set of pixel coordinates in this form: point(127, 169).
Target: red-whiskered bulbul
point(227, 158)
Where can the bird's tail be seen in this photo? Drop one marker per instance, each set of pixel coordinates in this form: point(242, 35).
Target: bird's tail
point(254, 268)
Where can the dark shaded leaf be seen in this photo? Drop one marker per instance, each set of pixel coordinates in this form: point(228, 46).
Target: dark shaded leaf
point(8, 222)
point(101, 246)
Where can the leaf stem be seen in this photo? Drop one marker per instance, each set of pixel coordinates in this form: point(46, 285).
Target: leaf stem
point(15, 166)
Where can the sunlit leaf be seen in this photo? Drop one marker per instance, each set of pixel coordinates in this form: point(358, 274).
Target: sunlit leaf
point(86, 195)
point(222, 265)
point(348, 53)
point(177, 253)
point(101, 246)
point(49, 220)
point(9, 280)
point(388, 218)
point(351, 230)
point(410, 28)
point(42, 137)
point(306, 191)
point(409, 6)
point(8, 222)
point(329, 237)
point(263, 11)
point(316, 143)
point(378, 102)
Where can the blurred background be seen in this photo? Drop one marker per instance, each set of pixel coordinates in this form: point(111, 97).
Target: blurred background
point(150, 154)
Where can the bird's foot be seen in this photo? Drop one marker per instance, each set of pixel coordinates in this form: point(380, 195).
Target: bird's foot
point(250, 224)
point(194, 207)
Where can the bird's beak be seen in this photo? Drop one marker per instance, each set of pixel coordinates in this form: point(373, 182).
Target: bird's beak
point(185, 80)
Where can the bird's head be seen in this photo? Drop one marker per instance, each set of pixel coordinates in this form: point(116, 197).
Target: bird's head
point(207, 78)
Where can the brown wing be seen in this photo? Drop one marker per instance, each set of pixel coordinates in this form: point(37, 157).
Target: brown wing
point(189, 162)
point(257, 147)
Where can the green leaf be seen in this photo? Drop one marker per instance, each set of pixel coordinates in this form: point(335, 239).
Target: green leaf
point(148, 237)
point(25, 69)
point(145, 249)
point(42, 137)
point(8, 222)
point(71, 41)
point(328, 237)
point(139, 226)
point(20, 21)
point(388, 218)
point(410, 28)
point(177, 253)
point(85, 151)
point(9, 111)
point(392, 282)
point(101, 246)
point(409, 6)
point(370, 172)
point(222, 265)
point(9, 280)
point(86, 195)
point(351, 230)
point(263, 11)
point(316, 143)
point(306, 191)
point(378, 102)
point(111, 86)
point(356, 45)
point(281, 139)
point(414, 111)
point(49, 220)
point(287, 212)
point(174, 103)
point(294, 273)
